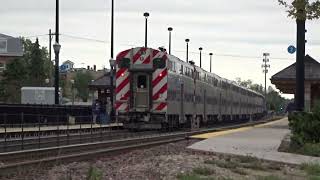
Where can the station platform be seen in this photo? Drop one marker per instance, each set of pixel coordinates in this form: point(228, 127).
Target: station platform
point(260, 141)
point(60, 128)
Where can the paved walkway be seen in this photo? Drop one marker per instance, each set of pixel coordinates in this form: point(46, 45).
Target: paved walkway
point(261, 141)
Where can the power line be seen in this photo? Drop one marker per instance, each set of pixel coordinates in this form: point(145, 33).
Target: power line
point(134, 45)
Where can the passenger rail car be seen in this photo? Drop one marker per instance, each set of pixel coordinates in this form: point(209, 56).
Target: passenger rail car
point(156, 90)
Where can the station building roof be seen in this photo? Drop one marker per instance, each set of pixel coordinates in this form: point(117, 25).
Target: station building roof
point(285, 79)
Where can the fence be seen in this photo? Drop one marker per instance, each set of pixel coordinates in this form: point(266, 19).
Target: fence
point(50, 131)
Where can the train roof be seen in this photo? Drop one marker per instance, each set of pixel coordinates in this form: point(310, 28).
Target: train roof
point(174, 58)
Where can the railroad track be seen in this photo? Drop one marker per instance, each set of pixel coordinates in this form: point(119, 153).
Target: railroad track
point(66, 139)
point(63, 154)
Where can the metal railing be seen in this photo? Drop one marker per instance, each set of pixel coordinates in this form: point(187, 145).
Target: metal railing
point(50, 130)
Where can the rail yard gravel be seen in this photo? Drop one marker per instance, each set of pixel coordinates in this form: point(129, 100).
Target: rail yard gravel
point(168, 161)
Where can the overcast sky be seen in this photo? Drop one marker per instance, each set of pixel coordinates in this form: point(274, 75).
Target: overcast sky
point(244, 29)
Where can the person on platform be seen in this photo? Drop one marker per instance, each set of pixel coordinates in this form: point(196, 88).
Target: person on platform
point(96, 106)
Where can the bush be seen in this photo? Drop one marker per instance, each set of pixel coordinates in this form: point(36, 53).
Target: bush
point(305, 128)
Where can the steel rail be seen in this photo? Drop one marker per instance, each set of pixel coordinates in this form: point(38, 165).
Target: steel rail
point(12, 160)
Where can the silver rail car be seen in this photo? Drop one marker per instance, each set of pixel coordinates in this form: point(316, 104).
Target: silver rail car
point(155, 90)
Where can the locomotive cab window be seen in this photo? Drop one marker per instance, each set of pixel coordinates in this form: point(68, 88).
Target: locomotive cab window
point(124, 63)
point(142, 82)
point(159, 63)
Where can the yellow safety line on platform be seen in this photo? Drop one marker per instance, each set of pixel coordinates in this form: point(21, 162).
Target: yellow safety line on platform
point(220, 133)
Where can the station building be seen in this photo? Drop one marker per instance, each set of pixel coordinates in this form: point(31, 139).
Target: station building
point(285, 81)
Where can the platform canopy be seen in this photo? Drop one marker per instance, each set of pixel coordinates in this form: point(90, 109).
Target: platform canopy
point(285, 80)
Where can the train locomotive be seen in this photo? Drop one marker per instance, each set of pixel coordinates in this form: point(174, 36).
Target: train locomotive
point(155, 90)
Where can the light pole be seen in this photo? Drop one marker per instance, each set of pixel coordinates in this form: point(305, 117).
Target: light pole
point(112, 65)
point(72, 90)
point(146, 15)
point(200, 49)
point(170, 29)
point(210, 60)
point(112, 18)
point(187, 57)
point(56, 48)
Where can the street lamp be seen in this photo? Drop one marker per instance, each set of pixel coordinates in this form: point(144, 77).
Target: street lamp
point(200, 49)
point(210, 60)
point(187, 41)
point(146, 15)
point(56, 48)
point(47, 81)
point(170, 29)
point(72, 90)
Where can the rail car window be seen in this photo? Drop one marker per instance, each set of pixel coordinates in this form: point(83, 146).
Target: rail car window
point(142, 82)
point(124, 63)
point(159, 63)
point(181, 69)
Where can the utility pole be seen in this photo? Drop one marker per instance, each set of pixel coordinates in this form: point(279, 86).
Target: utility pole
point(265, 67)
point(50, 43)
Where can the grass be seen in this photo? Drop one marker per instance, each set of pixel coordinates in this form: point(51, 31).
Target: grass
point(271, 177)
point(203, 171)
point(239, 171)
point(222, 164)
point(247, 159)
point(311, 169)
point(193, 177)
point(94, 174)
point(310, 149)
point(314, 178)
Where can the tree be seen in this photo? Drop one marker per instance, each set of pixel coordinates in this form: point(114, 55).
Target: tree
point(274, 101)
point(30, 70)
point(302, 9)
point(81, 82)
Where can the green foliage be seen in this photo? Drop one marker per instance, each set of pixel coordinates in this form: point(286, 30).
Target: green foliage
point(310, 149)
point(302, 9)
point(274, 101)
point(30, 70)
point(304, 128)
point(82, 79)
point(94, 174)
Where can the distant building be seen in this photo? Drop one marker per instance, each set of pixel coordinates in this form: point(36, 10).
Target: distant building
point(67, 66)
point(10, 48)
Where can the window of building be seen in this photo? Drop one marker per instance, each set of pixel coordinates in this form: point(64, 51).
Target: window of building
point(3, 45)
